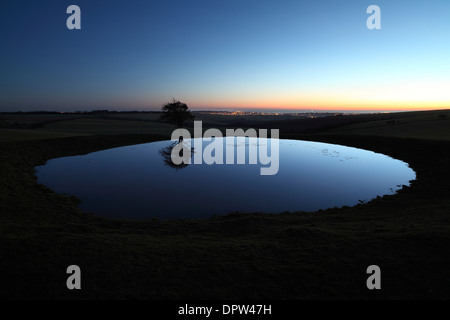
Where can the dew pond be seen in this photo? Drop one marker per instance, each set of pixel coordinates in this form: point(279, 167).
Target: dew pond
point(142, 182)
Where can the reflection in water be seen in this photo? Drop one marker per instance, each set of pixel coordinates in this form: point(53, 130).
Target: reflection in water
point(166, 154)
point(133, 182)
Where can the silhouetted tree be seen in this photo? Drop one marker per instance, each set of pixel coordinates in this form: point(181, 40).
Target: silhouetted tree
point(176, 112)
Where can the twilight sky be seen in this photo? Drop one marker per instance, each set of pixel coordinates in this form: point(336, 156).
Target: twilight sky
point(138, 54)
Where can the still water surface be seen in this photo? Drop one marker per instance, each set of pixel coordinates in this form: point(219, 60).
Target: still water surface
point(140, 182)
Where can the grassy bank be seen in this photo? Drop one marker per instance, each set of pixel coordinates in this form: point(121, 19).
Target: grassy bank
point(286, 256)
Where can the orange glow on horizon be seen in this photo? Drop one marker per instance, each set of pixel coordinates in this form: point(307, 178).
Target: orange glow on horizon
point(414, 96)
point(330, 105)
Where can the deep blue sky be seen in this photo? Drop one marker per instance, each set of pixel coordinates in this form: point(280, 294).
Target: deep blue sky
point(228, 53)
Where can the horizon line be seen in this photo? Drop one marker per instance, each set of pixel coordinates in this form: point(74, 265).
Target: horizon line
point(230, 110)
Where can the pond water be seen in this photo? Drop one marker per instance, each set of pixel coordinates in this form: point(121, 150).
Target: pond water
point(141, 181)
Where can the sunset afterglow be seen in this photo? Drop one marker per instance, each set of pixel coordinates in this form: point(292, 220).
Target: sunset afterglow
point(227, 54)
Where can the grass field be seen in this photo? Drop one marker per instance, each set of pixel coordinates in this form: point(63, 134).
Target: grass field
point(9, 135)
point(291, 255)
point(420, 125)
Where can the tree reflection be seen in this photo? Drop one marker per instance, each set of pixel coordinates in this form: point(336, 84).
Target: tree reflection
point(166, 154)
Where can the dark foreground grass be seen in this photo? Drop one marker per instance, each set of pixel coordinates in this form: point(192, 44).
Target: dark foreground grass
point(286, 256)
